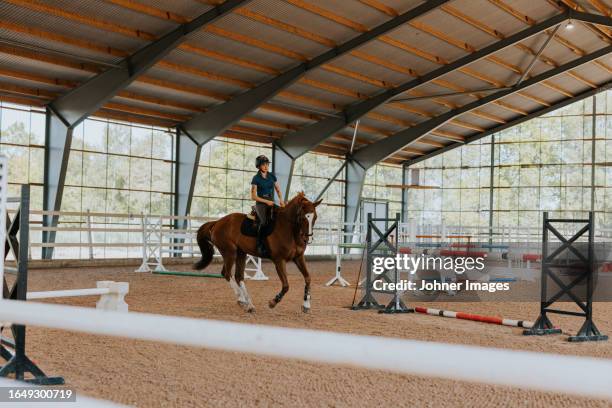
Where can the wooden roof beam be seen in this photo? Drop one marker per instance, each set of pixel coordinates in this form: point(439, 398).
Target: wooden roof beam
point(386, 39)
point(303, 34)
point(466, 47)
point(118, 29)
point(601, 7)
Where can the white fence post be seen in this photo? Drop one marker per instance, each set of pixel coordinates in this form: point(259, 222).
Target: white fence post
point(90, 235)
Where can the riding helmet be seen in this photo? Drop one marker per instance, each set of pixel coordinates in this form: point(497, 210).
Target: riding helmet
point(261, 159)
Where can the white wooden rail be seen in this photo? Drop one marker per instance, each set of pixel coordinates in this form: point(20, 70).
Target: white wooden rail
point(112, 295)
point(126, 231)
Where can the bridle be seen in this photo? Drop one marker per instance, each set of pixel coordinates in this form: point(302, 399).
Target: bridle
point(299, 222)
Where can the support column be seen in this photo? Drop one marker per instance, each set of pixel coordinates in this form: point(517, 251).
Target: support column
point(593, 152)
point(58, 139)
point(491, 189)
point(405, 191)
point(185, 173)
point(282, 166)
point(355, 178)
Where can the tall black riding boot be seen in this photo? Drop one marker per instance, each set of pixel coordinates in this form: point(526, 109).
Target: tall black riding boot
point(261, 244)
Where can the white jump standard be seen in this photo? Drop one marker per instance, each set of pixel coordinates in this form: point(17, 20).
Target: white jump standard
point(338, 277)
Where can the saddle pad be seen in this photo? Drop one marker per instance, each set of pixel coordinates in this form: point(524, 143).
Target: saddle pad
point(249, 227)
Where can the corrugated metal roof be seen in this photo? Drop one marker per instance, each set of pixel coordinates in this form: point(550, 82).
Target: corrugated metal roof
point(353, 10)
point(41, 68)
point(216, 66)
point(398, 57)
point(320, 94)
point(230, 47)
point(201, 81)
point(520, 102)
point(453, 128)
point(194, 80)
point(348, 84)
point(537, 10)
point(304, 19)
point(46, 43)
point(263, 32)
point(372, 69)
point(146, 88)
point(53, 25)
point(401, 6)
point(165, 109)
point(275, 115)
point(596, 73)
point(426, 42)
point(186, 8)
point(30, 85)
point(451, 26)
point(492, 15)
point(104, 10)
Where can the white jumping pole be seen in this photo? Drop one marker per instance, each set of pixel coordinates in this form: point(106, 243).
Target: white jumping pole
point(112, 295)
point(582, 376)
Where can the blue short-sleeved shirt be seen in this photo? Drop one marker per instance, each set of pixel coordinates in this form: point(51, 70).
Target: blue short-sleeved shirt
point(265, 186)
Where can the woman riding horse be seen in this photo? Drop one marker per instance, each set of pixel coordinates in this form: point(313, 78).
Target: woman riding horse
point(262, 191)
point(293, 228)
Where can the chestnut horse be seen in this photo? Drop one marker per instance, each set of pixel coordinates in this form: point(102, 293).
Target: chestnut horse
point(293, 228)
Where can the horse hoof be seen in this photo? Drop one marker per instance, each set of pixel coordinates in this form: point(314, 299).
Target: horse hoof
point(271, 304)
point(251, 309)
point(305, 309)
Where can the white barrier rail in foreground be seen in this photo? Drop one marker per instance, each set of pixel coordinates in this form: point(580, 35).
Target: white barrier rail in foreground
point(587, 377)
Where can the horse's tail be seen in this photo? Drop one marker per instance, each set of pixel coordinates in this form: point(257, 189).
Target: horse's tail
point(206, 246)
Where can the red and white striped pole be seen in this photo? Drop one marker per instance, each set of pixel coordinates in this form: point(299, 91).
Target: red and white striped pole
point(474, 317)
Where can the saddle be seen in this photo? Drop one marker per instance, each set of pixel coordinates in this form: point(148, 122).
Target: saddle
point(250, 222)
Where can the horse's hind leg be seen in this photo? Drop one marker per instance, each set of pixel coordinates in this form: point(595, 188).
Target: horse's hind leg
point(240, 266)
point(228, 263)
point(282, 274)
point(301, 264)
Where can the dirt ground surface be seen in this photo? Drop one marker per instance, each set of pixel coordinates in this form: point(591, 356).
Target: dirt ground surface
point(151, 375)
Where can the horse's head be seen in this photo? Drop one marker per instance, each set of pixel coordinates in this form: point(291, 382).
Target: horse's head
point(306, 215)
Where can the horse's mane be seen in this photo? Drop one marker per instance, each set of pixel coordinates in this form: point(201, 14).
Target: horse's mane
point(296, 200)
point(299, 197)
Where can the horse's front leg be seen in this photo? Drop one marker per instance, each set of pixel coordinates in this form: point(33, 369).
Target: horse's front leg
point(281, 270)
point(301, 264)
point(244, 298)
